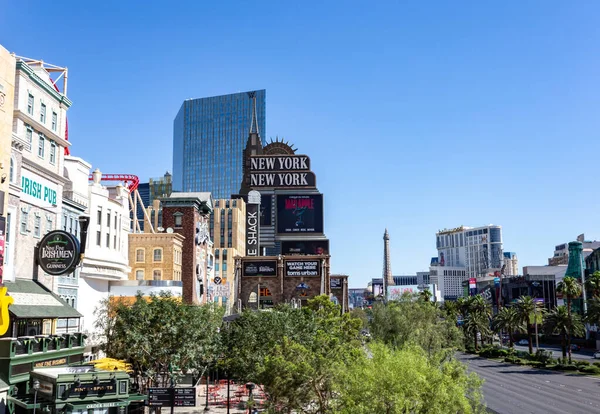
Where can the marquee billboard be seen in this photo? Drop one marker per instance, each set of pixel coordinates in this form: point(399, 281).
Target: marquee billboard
point(300, 214)
point(302, 268)
point(304, 247)
point(260, 268)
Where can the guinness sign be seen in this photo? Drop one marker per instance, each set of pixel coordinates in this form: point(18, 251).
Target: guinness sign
point(58, 253)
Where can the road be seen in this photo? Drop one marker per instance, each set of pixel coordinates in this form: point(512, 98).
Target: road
point(512, 389)
point(584, 355)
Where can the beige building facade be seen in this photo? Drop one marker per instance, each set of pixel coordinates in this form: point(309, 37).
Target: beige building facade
point(7, 97)
point(155, 256)
point(228, 232)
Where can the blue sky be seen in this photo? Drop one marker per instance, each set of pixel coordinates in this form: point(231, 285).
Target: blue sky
point(416, 115)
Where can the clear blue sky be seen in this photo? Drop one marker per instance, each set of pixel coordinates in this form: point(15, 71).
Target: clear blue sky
point(416, 115)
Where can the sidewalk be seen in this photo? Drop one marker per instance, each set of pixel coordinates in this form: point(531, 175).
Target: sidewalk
point(217, 396)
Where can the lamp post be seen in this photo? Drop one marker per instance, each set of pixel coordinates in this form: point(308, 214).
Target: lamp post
point(537, 343)
point(36, 387)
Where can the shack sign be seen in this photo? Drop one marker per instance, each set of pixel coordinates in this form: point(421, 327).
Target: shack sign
point(58, 253)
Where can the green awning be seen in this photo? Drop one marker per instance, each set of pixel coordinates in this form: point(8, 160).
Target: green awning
point(33, 300)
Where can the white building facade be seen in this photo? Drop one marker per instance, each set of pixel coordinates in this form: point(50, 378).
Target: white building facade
point(106, 253)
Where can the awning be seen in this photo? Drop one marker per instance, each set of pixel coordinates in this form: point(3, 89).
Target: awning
point(33, 300)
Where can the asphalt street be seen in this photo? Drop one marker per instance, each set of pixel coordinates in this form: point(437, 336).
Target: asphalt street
point(515, 389)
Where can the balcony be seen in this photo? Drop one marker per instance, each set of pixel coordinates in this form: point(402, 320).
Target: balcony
point(76, 197)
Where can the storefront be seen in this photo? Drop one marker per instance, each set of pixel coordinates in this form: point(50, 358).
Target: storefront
point(78, 390)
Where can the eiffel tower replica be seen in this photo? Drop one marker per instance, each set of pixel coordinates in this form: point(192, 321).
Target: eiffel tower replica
point(388, 279)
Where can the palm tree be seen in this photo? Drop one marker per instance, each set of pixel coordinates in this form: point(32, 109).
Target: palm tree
point(507, 319)
point(559, 321)
point(425, 295)
point(571, 288)
point(592, 283)
point(593, 311)
point(481, 312)
point(451, 309)
point(526, 309)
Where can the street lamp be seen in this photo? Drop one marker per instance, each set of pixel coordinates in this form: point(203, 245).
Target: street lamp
point(36, 387)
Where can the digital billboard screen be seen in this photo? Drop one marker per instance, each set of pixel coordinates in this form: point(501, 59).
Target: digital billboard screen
point(265, 210)
point(260, 268)
point(303, 247)
point(300, 214)
point(302, 268)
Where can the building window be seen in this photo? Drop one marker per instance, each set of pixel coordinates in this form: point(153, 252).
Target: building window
point(41, 146)
point(24, 221)
point(178, 219)
point(37, 223)
point(98, 238)
point(99, 216)
point(158, 255)
point(108, 219)
point(107, 240)
point(115, 242)
point(54, 119)
point(43, 113)
point(52, 153)
point(49, 224)
point(30, 104)
point(156, 275)
point(29, 136)
point(12, 173)
point(139, 255)
point(139, 275)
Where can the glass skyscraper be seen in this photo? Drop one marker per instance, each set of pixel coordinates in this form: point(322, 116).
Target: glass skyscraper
point(209, 137)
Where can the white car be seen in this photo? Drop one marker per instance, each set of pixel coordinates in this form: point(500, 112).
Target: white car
point(597, 354)
point(523, 342)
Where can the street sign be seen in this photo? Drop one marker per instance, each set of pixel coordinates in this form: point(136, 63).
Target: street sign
point(185, 397)
point(181, 397)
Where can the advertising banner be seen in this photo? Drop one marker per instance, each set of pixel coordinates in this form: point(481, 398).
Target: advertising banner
point(300, 214)
point(252, 229)
point(303, 268)
point(260, 268)
point(304, 247)
point(281, 171)
point(37, 190)
point(335, 283)
point(58, 253)
point(472, 286)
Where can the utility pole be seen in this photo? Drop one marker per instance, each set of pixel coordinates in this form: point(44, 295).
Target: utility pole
point(587, 325)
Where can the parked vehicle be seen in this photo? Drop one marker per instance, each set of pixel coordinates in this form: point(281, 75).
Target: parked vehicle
point(523, 342)
point(575, 347)
point(597, 354)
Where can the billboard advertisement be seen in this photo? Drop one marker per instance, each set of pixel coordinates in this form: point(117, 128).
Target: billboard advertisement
point(300, 214)
point(303, 247)
point(302, 268)
point(396, 292)
point(472, 286)
point(335, 283)
point(260, 268)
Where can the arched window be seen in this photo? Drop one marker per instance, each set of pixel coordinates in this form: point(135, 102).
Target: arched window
point(158, 255)
point(139, 274)
point(157, 275)
point(139, 255)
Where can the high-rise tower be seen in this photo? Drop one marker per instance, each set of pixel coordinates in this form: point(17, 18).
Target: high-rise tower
point(388, 279)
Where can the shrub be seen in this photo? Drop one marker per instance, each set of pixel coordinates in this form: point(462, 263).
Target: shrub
point(590, 369)
point(566, 367)
point(492, 352)
point(544, 356)
point(536, 364)
point(582, 363)
point(597, 364)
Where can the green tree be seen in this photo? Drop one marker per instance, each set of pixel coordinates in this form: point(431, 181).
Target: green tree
point(507, 319)
point(592, 283)
point(425, 295)
point(571, 288)
point(526, 309)
point(293, 353)
point(406, 380)
point(558, 321)
point(409, 320)
point(478, 318)
point(593, 311)
point(158, 335)
point(451, 309)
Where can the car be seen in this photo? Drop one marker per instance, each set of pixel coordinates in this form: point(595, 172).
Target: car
point(575, 347)
point(596, 355)
point(523, 342)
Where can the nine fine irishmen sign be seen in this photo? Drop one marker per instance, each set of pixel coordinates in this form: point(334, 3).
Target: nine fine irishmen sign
point(58, 253)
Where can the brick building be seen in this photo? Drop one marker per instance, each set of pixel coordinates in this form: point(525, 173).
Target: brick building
point(155, 256)
point(188, 214)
